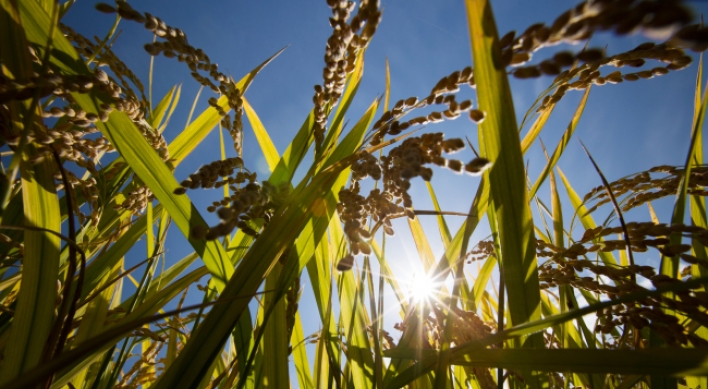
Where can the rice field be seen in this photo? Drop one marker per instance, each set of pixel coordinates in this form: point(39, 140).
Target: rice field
point(563, 292)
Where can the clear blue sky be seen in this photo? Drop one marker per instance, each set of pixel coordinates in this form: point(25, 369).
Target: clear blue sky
point(628, 127)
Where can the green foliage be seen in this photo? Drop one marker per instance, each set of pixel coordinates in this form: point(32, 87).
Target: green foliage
point(64, 316)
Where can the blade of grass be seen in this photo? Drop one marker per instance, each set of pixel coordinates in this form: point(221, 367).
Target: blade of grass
point(478, 209)
point(328, 348)
point(480, 283)
point(17, 66)
point(503, 316)
point(674, 361)
point(34, 312)
point(582, 213)
point(161, 109)
point(299, 352)
point(270, 153)
point(194, 106)
point(158, 177)
point(166, 119)
point(387, 91)
point(354, 321)
point(570, 130)
point(293, 155)
point(378, 362)
point(536, 128)
point(243, 341)
point(93, 321)
point(388, 275)
point(698, 204)
point(500, 144)
point(421, 243)
point(442, 225)
point(275, 341)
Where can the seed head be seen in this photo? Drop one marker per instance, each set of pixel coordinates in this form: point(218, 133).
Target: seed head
point(199, 232)
point(477, 116)
point(477, 166)
point(346, 263)
point(105, 8)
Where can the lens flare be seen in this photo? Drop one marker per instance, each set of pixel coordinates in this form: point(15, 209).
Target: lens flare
point(422, 288)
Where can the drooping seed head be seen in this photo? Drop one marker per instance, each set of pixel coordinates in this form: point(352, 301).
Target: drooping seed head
point(477, 116)
point(453, 145)
point(346, 263)
point(454, 165)
point(477, 166)
point(199, 232)
point(105, 8)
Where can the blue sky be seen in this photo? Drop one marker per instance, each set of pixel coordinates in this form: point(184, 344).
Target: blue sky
point(628, 127)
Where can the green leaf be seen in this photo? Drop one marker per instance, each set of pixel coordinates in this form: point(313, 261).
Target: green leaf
point(421, 244)
point(275, 339)
point(17, 66)
point(243, 341)
point(585, 218)
point(536, 128)
point(377, 321)
point(668, 362)
point(354, 322)
point(499, 142)
point(477, 210)
point(159, 112)
point(698, 204)
point(293, 155)
point(173, 106)
point(327, 356)
point(299, 353)
point(480, 284)
point(561, 144)
point(34, 312)
point(270, 153)
point(93, 321)
point(442, 225)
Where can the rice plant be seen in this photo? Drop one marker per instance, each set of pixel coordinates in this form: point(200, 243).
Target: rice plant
point(87, 172)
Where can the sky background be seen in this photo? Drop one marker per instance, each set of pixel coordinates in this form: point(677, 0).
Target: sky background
point(628, 127)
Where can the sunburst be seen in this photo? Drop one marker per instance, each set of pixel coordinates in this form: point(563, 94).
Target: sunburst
point(423, 288)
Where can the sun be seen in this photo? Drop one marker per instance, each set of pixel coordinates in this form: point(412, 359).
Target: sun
point(422, 288)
